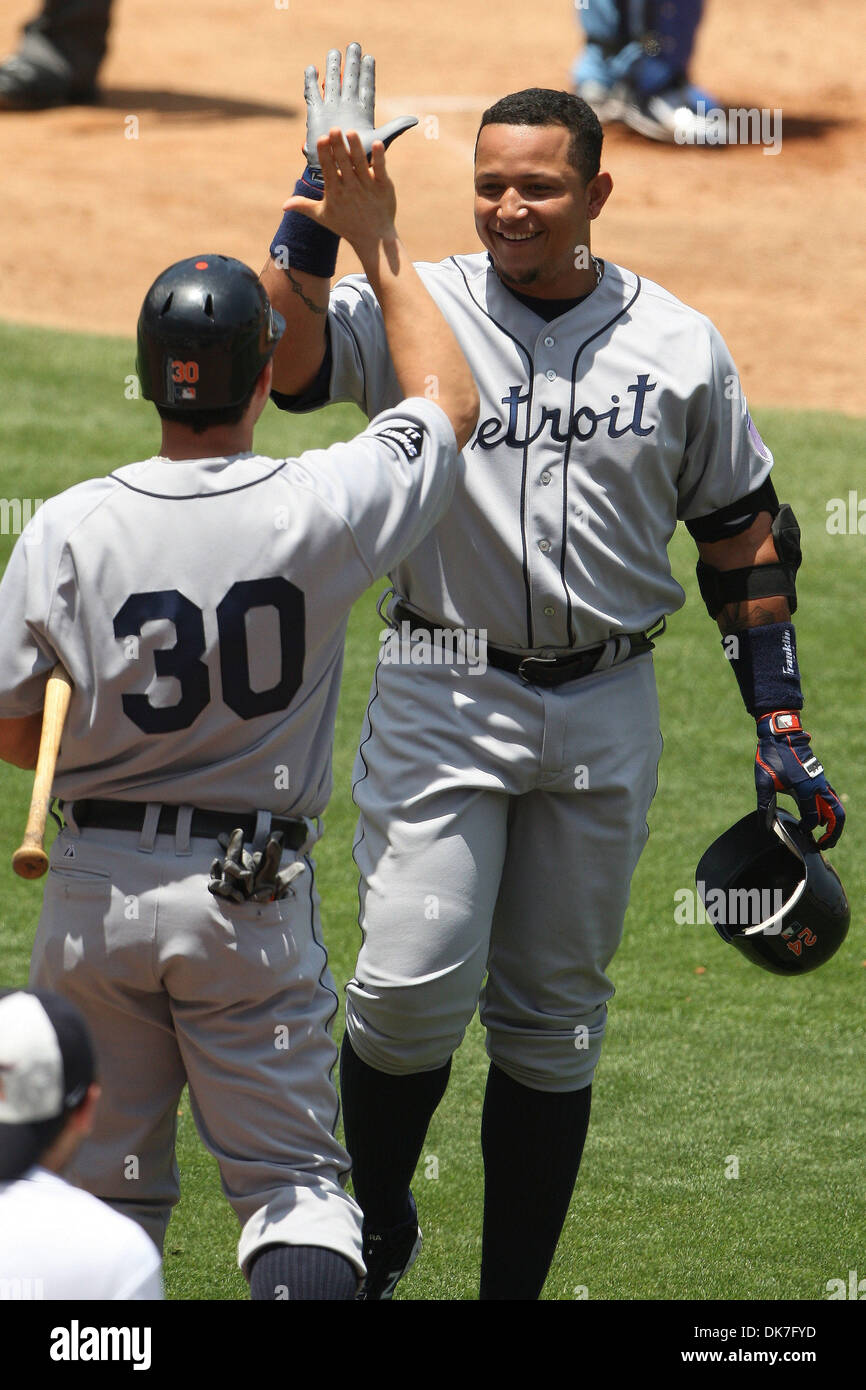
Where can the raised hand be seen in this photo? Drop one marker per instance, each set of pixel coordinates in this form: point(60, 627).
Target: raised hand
point(346, 103)
point(360, 201)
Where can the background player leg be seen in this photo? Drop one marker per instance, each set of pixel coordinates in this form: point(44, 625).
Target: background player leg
point(58, 57)
point(634, 66)
point(604, 59)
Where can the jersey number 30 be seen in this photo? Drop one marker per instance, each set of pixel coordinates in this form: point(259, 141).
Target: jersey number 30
point(183, 660)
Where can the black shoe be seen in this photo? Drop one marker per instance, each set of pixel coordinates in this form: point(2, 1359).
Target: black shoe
point(26, 87)
point(682, 114)
point(388, 1254)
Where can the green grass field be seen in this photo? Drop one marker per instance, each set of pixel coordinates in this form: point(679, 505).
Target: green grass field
point(708, 1060)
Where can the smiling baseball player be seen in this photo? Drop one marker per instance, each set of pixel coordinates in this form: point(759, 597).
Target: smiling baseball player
point(502, 812)
point(185, 596)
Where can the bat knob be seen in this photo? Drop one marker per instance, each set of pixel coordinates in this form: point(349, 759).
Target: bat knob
point(30, 863)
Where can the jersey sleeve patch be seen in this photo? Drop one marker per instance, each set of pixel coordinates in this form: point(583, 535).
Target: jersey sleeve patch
point(757, 440)
point(408, 438)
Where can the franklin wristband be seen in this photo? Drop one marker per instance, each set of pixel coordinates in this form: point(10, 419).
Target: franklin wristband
point(300, 243)
point(765, 665)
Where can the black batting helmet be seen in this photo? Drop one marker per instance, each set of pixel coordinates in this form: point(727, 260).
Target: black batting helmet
point(205, 331)
point(772, 894)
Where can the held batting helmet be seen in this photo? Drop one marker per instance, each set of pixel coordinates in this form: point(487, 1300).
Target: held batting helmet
point(772, 894)
point(205, 331)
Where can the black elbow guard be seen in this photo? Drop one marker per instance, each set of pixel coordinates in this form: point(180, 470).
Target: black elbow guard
point(719, 587)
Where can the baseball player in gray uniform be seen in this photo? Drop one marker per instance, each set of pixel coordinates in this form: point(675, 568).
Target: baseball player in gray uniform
point(503, 804)
point(199, 602)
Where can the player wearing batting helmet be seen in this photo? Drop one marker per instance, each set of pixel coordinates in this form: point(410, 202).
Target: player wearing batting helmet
point(185, 597)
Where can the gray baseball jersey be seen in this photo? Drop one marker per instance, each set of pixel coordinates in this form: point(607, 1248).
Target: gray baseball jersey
point(597, 432)
point(200, 608)
point(500, 822)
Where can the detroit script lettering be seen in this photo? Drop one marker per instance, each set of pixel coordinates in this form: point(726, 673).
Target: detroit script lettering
point(582, 426)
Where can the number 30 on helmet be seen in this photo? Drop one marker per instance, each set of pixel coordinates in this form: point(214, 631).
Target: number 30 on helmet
point(205, 331)
point(772, 894)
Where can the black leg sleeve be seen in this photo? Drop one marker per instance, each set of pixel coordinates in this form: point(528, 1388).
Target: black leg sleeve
point(386, 1120)
point(532, 1143)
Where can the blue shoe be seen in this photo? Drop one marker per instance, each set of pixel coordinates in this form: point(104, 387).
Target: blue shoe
point(388, 1254)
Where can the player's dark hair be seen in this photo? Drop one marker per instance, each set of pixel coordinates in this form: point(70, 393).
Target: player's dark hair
point(200, 420)
point(544, 106)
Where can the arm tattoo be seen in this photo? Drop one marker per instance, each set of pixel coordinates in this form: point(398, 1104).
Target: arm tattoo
point(736, 616)
point(299, 289)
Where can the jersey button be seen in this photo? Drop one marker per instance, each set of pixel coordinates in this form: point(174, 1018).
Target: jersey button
point(549, 342)
point(549, 612)
point(550, 374)
point(544, 545)
point(545, 477)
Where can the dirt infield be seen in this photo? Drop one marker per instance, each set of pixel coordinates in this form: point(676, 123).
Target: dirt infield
point(197, 140)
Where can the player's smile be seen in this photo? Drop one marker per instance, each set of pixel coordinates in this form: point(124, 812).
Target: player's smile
point(510, 241)
point(532, 209)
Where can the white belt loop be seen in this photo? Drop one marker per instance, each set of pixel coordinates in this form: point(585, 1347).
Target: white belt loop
point(147, 839)
point(608, 656)
point(314, 833)
point(385, 598)
point(616, 650)
point(182, 830)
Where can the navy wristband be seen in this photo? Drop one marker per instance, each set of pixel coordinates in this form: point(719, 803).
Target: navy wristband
point(765, 665)
point(301, 243)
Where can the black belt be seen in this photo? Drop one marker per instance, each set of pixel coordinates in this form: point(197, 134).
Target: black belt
point(206, 825)
point(544, 670)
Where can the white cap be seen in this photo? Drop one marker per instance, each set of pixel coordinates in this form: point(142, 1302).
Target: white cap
point(31, 1064)
point(46, 1067)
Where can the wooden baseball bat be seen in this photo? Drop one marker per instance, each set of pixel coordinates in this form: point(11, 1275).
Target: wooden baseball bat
point(30, 859)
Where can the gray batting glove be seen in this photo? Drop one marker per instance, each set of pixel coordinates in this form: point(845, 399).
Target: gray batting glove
point(268, 884)
point(349, 105)
point(243, 877)
point(232, 877)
